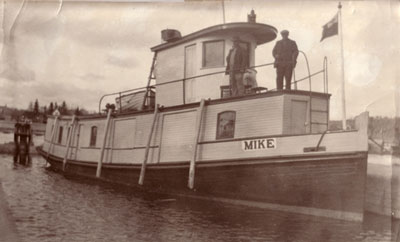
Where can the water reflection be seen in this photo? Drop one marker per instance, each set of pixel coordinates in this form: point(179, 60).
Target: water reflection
point(51, 207)
point(22, 159)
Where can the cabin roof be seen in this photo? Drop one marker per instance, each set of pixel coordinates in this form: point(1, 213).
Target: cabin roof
point(263, 33)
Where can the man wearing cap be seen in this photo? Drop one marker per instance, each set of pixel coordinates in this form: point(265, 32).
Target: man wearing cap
point(236, 66)
point(285, 53)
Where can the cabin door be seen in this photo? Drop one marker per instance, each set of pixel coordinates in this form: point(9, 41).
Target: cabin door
point(298, 120)
point(190, 70)
point(177, 136)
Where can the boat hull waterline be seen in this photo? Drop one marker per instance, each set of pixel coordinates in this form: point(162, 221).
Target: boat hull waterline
point(328, 185)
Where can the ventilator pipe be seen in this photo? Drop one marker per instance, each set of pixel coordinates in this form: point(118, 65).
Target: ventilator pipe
point(308, 67)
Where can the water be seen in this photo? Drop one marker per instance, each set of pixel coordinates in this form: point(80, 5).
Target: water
point(50, 207)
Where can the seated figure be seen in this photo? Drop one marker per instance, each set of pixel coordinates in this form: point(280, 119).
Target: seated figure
point(249, 79)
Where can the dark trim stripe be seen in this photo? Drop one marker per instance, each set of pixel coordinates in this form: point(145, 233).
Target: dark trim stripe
point(319, 111)
point(218, 163)
point(109, 148)
point(271, 136)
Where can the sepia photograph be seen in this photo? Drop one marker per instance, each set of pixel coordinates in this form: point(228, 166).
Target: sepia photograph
point(214, 120)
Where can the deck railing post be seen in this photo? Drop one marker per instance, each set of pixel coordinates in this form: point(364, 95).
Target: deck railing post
point(103, 146)
point(196, 142)
point(146, 154)
point(72, 130)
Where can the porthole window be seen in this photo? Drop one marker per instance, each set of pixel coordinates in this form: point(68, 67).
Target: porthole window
point(60, 133)
point(226, 125)
point(93, 136)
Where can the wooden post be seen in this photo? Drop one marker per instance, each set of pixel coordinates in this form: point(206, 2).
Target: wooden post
point(72, 129)
point(53, 132)
point(103, 146)
point(146, 154)
point(196, 141)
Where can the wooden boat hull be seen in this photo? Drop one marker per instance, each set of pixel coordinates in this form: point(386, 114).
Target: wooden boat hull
point(324, 185)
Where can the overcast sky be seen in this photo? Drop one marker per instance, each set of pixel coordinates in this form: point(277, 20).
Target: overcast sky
point(77, 51)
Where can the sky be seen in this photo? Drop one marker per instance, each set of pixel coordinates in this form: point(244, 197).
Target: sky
point(79, 50)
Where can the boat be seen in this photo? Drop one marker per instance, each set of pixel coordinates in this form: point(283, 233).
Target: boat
point(269, 148)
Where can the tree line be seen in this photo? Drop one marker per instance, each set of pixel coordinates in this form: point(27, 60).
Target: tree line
point(49, 109)
point(37, 113)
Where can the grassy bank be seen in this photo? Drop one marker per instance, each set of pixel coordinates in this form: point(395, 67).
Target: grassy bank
point(8, 127)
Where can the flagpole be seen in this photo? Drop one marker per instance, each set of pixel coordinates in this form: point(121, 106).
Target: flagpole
point(344, 126)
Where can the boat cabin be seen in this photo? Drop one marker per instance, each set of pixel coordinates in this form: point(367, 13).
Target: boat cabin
point(190, 68)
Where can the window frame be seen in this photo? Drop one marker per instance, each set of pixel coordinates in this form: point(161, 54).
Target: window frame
point(60, 134)
point(218, 136)
point(68, 131)
point(203, 57)
point(93, 136)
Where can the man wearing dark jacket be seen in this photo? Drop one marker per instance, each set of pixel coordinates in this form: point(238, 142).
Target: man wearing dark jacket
point(236, 66)
point(285, 53)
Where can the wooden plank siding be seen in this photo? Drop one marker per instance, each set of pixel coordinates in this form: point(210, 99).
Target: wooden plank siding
point(254, 117)
point(170, 94)
point(174, 133)
point(49, 127)
point(169, 67)
point(177, 136)
point(288, 145)
point(319, 103)
point(319, 113)
point(170, 64)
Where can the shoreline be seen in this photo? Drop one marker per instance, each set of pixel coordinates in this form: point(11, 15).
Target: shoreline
point(8, 127)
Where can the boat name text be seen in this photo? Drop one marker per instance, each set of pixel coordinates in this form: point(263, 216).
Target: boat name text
point(258, 144)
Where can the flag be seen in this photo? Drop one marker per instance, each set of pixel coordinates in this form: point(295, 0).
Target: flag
point(330, 28)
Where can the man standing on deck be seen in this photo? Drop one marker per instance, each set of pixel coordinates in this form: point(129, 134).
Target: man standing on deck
point(285, 53)
point(236, 66)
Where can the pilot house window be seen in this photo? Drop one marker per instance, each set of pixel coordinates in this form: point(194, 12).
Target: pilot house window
point(93, 136)
point(226, 125)
point(213, 53)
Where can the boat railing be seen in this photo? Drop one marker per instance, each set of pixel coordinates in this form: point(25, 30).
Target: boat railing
point(324, 71)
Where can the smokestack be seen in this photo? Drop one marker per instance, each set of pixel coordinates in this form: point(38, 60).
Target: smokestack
point(251, 18)
point(170, 35)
